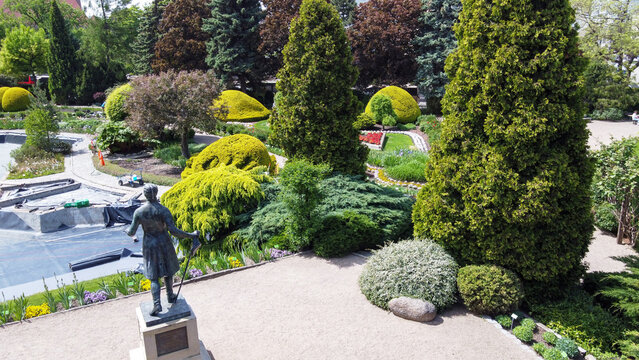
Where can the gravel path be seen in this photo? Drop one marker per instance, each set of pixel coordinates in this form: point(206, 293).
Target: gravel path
point(603, 132)
point(603, 250)
point(301, 307)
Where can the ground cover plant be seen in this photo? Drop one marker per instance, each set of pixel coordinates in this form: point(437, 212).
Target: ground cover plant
point(172, 153)
point(402, 164)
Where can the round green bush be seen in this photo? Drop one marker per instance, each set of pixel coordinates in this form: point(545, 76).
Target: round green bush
point(419, 269)
point(118, 137)
point(523, 333)
point(550, 338)
point(2, 91)
point(539, 348)
point(241, 107)
point(489, 289)
point(341, 234)
point(504, 320)
point(528, 323)
point(552, 354)
point(16, 99)
point(605, 218)
point(114, 105)
point(568, 346)
point(242, 151)
point(405, 106)
point(363, 121)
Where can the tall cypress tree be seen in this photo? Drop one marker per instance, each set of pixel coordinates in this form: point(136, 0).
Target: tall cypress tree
point(234, 29)
point(61, 63)
point(435, 42)
point(509, 183)
point(315, 107)
point(148, 35)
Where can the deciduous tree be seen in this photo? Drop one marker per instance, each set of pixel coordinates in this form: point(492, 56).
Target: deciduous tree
point(24, 52)
point(315, 107)
point(274, 32)
point(382, 39)
point(36, 13)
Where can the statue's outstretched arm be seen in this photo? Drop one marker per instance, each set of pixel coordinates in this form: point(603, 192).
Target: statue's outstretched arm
point(170, 225)
point(134, 225)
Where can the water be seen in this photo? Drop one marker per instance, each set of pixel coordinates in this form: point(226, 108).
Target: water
point(5, 157)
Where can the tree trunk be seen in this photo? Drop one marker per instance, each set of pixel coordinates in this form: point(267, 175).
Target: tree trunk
point(184, 143)
point(622, 217)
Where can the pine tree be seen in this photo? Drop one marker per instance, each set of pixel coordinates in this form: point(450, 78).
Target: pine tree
point(62, 60)
point(315, 106)
point(234, 29)
point(148, 35)
point(435, 42)
point(345, 8)
point(509, 183)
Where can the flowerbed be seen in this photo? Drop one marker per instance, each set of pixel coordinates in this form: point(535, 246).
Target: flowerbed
point(372, 138)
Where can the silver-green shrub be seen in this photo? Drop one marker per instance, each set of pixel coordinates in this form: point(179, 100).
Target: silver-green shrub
point(419, 269)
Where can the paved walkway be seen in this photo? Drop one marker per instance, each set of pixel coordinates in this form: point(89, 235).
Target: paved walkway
point(604, 132)
point(301, 307)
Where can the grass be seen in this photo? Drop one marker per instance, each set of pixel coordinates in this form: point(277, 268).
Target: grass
point(35, 167)
point(262, 126)
point(402, 164)
point(172, 153)
point(116, 170)
point(397, 141)
point(406, 127)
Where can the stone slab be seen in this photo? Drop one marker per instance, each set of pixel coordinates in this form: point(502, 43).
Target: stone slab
point(180, 309)
point(138, 354)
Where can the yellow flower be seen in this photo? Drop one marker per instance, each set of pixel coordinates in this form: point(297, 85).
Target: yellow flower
point(145, 284)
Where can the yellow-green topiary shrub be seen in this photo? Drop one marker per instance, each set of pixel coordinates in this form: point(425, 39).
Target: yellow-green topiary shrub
point(241, 107)
point(16, 99)
point(404, 105)
point(114, 105)
point(2, 90)
point(242, 151)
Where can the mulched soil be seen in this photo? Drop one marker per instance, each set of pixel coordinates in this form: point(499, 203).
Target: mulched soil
point(149, 165)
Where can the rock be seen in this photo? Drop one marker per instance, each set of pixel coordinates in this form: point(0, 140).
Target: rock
point(590, 357)
point(412, 309)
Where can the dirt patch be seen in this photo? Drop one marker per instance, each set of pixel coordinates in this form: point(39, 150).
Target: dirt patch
point(149, 165)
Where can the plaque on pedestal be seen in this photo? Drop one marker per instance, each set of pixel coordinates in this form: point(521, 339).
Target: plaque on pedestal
point(171, 335)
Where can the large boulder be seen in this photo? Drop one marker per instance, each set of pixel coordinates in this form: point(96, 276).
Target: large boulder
point(241, 107)
point(412, 309)
point(405, 106)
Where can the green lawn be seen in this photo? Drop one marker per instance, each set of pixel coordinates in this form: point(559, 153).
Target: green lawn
point(397, 141)
point(262, 125)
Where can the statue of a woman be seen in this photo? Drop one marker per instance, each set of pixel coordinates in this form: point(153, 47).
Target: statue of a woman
point(160, 259)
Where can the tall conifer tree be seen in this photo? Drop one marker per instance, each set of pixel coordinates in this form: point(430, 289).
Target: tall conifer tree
point(61, 63)
point(148, 35)
point(315, 107)
point(509, 183)
point(234, 29)
point(435, 42)
point(345, 8)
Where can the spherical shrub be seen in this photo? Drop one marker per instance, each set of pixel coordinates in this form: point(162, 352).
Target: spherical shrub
point(528, 323)
point(550, 338)
point(341, 234)
point(241, 107)
point(2, 90)
point(16, 99)
point(405, 106)
point(419, 269)
point(539, 348)
point(114, 105)
point(552, 354)
point(523, 333)
point(605, 218)
point(242, 151)
point(489, 289)
point(504, 320)
point(568, 346)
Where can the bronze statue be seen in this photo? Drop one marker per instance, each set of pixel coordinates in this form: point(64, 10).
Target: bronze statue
point(159, 255)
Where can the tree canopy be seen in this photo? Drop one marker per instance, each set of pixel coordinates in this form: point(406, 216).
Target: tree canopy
point(274, 31)
point(24, 52)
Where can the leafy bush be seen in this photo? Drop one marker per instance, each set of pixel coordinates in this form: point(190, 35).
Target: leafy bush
point(605, 218)
point(172, 154)
point(118, 137)
point(504, 320)
point(241, 107)
point(210, 200)
point(487, 289)
point(552, 354)
point(539, 348)
point(419, 269)
point(99, 97)
point(381, 110)
point(523, 333)
point(608, 114)
point(620, 291)
point(40, 127)
point(341, 234)
point(16, 99)
point(114, 105)
point(568, 346)
point(629, 346)
point(242, 151)
point(432, 127)
point(550, 338)
point(363, 121)
point(404, 105)
point(528, 323)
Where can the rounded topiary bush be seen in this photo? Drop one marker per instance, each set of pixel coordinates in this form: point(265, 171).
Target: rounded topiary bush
point(241, 107)
point(405, 106)
point(605, 218)
point(489, 289)
point(419, 269)
point(341, 234)
point(242, 151)
point(523, 333)
point(16, 99)
point(2, 91)
point(114, 105)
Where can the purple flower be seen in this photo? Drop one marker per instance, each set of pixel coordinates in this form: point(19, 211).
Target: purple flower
point(276, 253)
point(195, 273)
point(94, 297)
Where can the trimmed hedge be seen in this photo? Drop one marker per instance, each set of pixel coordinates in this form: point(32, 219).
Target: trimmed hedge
point(488, 289)
point(340, 234)
point(114, 105)
point(241, 107)
point(242, 151)
point(2, 91)
point(404, 105)
point(16, 99)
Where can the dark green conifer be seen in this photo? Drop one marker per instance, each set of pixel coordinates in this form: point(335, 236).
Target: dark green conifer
point(345, 8)
point(61, 62)
point(148, 34)
point(315, 107)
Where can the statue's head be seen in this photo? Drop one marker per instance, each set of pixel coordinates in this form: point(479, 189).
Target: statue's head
point(151, 192)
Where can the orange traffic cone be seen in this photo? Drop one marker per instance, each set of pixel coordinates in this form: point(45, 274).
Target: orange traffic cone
point(101, 158)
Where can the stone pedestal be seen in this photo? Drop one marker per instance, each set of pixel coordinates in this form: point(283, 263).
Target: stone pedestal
point(171, 335)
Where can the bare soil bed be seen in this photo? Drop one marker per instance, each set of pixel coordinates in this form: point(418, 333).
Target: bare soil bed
point(149, 165)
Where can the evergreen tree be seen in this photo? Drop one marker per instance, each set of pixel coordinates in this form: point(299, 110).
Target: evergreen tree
point(345, 8)
point(148, 35)
point(234, 29)
point(315, 107)
point(62, 60)
point(509, 183)
point(435, 42)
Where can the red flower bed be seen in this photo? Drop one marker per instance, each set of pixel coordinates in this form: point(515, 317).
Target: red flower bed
point(371, 138)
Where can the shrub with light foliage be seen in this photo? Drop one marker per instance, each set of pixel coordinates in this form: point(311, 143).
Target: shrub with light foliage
point(403, 103)
point(16, 99)
point(419, 269)
point(114, 105)
point(488, 289)
point(241, 107)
